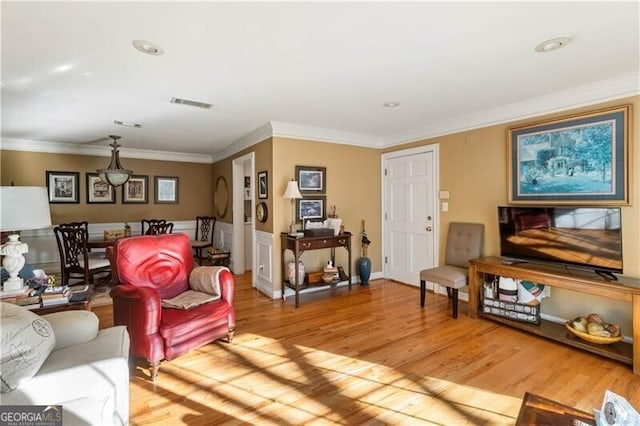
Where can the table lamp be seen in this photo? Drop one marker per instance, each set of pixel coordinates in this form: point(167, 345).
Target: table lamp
point(293, 193)
point(22, 208)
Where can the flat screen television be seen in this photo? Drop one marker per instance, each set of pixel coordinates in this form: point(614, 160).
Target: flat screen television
point(584, 237)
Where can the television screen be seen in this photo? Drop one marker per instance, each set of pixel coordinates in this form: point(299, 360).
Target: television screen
point(587, 237)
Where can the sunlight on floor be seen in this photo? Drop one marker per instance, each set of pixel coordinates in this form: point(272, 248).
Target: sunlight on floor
point(269, 385)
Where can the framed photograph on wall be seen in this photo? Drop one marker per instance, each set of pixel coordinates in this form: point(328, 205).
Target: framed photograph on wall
point(311, 208)
point(263, 192)
point(311, 180)
point(99, 191)
point(63, 187)
point(581, 159)
point(166, 190)
point(136, 190)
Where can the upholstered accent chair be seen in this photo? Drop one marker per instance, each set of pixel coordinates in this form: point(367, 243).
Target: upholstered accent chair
point(155, 268)
point(464, 242)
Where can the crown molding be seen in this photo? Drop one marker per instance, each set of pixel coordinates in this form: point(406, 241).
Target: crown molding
point(100, 151)
point(258, 135)
point(603, 91)
point(299, 131)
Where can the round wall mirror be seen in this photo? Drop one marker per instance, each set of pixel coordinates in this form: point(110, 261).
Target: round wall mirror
point(221, 196)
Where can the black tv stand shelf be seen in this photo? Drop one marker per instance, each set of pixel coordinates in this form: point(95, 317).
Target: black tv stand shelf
point(625, 289)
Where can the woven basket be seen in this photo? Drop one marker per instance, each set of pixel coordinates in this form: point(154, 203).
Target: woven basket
point(593, 339)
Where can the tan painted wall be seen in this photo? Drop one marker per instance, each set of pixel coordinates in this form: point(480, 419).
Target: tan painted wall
point(263, 154)
point(473, 167)
point(195, 186)
point(353, 186)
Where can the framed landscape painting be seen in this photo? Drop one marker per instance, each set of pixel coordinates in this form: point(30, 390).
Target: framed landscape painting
point(579, 160)
point(311, 208)
point(311, 180)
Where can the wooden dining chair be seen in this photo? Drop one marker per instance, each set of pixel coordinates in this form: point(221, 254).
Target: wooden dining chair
point(160, 228)
point(148, 223)
point(204, 235)
point(84, 226)
point(75, 261)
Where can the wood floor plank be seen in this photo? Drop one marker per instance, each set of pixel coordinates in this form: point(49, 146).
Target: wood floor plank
point(368, 356)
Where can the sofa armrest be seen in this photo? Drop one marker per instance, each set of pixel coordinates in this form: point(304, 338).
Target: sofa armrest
point(73, 327)
point(139, 309)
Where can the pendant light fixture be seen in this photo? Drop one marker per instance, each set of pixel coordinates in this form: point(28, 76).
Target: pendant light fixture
point(115, 175)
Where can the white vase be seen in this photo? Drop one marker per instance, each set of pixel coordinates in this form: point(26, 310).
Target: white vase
point(292, 272)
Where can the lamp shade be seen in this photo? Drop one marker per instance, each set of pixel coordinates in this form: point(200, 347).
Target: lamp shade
point(292, 190)
point(23, 208)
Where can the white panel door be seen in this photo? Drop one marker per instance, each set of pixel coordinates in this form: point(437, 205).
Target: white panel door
point(410, 183)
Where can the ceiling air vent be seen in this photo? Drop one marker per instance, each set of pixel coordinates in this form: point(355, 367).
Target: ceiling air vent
point(191, 103)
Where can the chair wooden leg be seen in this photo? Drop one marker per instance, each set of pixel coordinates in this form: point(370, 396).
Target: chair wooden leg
point(454, 301)
point(423, 291)
point(153, 370)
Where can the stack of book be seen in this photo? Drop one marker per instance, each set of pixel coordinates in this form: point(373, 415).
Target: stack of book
point(13, 294)
point(55, 295)
point(30, 302)
point(20, 297)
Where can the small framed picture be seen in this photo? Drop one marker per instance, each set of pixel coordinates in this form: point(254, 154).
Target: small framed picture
point(262, 185)
point(311, 208)
point(136, 190)
point(312, 180)
point(166, 190)
point(63, 187)
point(99, 191)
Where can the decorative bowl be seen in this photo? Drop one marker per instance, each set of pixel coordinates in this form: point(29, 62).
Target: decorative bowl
point(327, 278)
point(593, 339)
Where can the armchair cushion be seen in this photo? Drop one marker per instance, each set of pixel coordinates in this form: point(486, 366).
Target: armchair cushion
point(27, 340)
point(73, 327)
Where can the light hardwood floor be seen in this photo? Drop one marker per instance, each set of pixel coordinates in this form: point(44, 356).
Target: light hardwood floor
point(369, 356)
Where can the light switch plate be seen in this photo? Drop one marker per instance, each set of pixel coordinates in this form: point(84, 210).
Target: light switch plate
point(444, 195)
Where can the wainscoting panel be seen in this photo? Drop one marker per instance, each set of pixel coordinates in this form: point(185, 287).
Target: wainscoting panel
point(43, 249)
point(264, 264)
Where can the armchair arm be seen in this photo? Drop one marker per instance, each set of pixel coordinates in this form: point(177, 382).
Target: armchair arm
point(139, 308)
point(227, 285)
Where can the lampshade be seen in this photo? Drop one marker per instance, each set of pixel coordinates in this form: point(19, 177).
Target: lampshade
point(21, 208)
point(24, 208)
point(115, 174)
point(292, 191)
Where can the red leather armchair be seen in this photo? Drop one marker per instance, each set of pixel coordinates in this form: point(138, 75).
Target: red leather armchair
point(150, 268)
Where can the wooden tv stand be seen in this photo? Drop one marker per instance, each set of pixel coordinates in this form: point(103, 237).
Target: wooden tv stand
point(626, 290)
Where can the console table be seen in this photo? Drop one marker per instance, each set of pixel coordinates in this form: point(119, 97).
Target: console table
point(625, 290)
point(298, 245)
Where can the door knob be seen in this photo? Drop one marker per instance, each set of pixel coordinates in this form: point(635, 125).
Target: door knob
point(429, 218)
point(428, 228)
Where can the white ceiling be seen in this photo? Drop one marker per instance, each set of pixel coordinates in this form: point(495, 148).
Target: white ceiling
point(305, 67)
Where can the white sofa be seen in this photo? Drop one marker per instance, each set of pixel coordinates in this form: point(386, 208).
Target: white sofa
point(86, 372)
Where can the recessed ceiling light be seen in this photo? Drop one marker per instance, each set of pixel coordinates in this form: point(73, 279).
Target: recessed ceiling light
point(148, 47)
point(64, 68)
point(127, 124)
point(391, 104)
point(552, 44)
